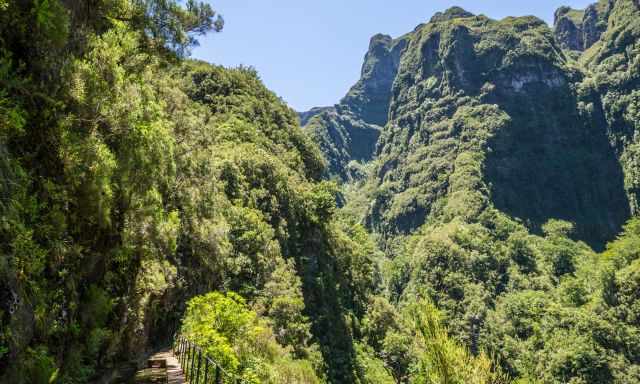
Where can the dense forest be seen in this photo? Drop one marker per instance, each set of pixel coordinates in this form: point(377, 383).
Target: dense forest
point(468, 213)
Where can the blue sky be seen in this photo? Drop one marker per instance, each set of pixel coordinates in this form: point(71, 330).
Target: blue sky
point(310, 51)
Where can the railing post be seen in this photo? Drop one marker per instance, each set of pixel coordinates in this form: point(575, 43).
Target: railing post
point(187, 349)
point(184, 352)
point(198, 369)
point(217, 381)
point(193, 361)
point(183, 362)
point(186, 355)
point(206, 369)
point(181, 353)
point(187, 370)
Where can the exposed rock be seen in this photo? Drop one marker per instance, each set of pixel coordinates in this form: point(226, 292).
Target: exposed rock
point(594, 24)
point(307, 115)
point(349, 131)
point(475, 93)
point(569, 30)
point(343, 137)
point(578, 30)
point(369, 98)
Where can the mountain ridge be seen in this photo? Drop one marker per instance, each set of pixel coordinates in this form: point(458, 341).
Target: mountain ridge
point(454, 60)
point(444, 222)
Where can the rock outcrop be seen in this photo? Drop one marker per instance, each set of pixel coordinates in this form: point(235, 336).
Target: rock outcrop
point(369, 97)
point(349, 130)
point(578, 30)
point(489, 113)
point(307, 115)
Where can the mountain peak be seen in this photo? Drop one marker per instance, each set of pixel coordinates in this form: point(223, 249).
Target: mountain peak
point(450, 14)
point(579, 29)
point(380, 38)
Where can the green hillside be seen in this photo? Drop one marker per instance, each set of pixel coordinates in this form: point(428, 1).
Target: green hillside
point(467, 213)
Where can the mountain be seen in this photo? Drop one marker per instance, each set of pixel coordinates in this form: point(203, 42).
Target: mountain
point(503, 93)
point(467, 213)
point(349, 130)
point(508, 160)
point(578, 30)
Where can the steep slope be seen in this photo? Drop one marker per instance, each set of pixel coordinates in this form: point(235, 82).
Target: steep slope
point(503, 94)
point(349, 130)
point(133, 182)
point(494, 133)
point(369, 97)
point(543, 138)
point(505, 142)
point(613, 64)
point(578, 30)
point(132, 179)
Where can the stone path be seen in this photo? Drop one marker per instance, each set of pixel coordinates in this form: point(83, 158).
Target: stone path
point(173, 371)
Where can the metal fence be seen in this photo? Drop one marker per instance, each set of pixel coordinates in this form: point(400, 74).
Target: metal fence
point(199, 368)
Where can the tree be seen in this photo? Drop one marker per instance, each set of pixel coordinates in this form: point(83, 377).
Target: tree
point(441, 360)
point(173, 26)
point(241, 341)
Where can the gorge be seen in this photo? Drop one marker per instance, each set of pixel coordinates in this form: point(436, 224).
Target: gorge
point(467, 213)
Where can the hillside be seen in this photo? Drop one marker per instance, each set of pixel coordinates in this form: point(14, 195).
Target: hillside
point(509, 155)
point(467, 213)
point(505, 93)
point(134, 179)
point(349, 130)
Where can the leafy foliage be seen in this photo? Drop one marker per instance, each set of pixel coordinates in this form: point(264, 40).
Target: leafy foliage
point(504, 163)
point(137, 186)
point(133, 180)
point(241, 341)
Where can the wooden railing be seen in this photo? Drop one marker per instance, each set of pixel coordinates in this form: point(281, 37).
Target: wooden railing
point(199, 368)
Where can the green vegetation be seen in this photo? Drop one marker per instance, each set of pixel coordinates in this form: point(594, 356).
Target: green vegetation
point(482, 174)
point(344, 140)
point(133, 179)
point(241, 341)
point(348, 132)
point(504, 163)
point(499, 94)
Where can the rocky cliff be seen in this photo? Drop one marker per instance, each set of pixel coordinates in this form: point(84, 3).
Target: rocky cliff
point(579, 29)
point(369, 98)
point(349, 130)
point(545, 144)
point(505, 142)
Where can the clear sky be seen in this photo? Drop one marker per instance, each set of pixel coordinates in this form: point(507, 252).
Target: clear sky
point(310, 51)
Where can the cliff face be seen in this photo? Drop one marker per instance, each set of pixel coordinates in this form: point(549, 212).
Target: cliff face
point(614, 86)
point(349, 130)
point(568, 28)
point(543, 142)
point(499, 92)
point(343, 137)
point(578, 30)
point(369, 98)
